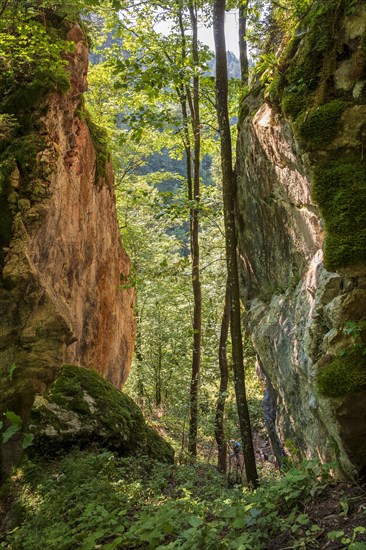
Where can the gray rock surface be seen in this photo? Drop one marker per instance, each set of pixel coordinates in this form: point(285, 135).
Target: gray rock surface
point(295, 310)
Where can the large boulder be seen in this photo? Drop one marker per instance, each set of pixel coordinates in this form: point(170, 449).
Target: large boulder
point(83, 410)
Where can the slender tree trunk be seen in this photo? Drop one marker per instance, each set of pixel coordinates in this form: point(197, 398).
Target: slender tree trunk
point(243, 50)
point(224, 377)
point(158, 376)
point(183, 93)
point(139, 358)
point(196, 283)
point(229, 190)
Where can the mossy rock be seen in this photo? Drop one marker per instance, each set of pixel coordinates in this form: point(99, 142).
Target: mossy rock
point(293, 103)
point(82, 410)
point(346, 374)
point(339, 188)
point(306, 64)
point(100, 141)
point(319, 126)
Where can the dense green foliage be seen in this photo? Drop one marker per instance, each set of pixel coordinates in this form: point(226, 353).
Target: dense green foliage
point(97, 500)
point(31, 61)
point(141, 110)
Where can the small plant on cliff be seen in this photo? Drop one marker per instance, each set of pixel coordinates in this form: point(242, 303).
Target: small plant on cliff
point(31, 61)
point(12, 423)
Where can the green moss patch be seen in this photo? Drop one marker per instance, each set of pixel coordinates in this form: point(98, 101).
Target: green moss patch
point(340, 190)
point(305, 68)
point(319, 126)
point(100, 142)
point(344, 375)
point(83, 409)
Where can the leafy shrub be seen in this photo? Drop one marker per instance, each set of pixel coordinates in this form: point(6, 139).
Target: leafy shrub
point(90, 500)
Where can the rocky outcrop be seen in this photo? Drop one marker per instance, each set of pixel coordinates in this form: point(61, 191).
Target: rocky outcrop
point(302, 235)
point(82, 410)
point(63, 291)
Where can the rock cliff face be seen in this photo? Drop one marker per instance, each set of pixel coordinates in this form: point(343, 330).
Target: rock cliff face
point(302, 226)
point(62, 272)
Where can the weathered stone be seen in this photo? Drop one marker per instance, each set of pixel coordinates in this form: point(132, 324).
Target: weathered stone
point(347, 306)
point(296, 310)
point(343, 76)
point(358, 89)
point(81, 410)
point(352, 123)
point(61, 274)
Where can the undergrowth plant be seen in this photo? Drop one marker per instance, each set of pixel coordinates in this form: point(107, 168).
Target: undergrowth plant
point(96, 500)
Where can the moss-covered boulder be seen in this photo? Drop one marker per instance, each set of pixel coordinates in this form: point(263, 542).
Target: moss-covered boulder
point(82, 409)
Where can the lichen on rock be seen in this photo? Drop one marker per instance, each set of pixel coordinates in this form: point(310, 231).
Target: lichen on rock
point(82, 409)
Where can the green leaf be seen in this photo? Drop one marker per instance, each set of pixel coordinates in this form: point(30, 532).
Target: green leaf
point(229, 512)
point(357, 546)
point(28, 440)
point(89, 542)
point(13, 418)
point(168, 528)
point(334, 535)
point(13, 429)
point(240, 522)
point(254, 512)
point(112, 545)
point(303, 519)
point(195, 521)
point(11, 371)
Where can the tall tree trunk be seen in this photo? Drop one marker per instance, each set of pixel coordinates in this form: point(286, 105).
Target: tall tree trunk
point(243, 50)
point(229, 190)
point(196, 283)
point(224, 377)
point(139, 357)
point(158, 375)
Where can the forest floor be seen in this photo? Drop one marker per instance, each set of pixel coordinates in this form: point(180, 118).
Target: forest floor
point(95, 500)
point(340, 513)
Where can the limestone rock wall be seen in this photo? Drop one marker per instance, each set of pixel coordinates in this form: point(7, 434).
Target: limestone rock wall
point(61, 291)
point(296, 310)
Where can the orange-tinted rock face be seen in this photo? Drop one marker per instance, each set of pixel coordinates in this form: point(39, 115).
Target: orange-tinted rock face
point(61, 286)
point(77, 248)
